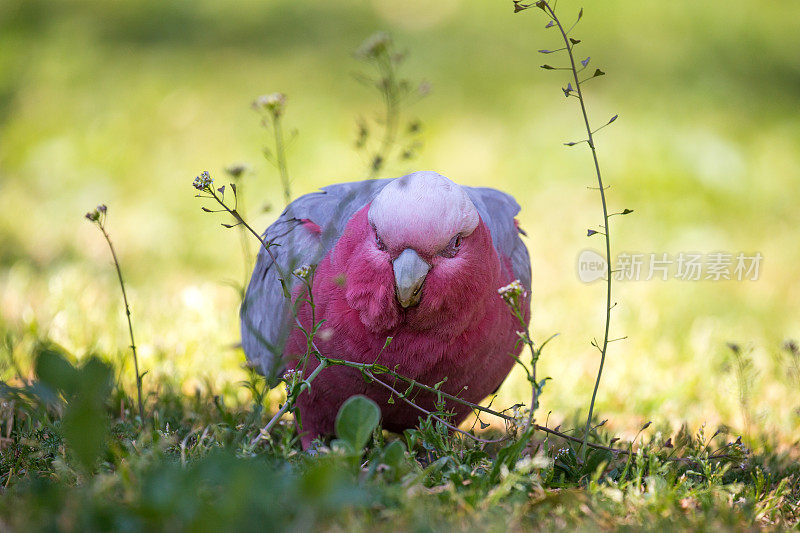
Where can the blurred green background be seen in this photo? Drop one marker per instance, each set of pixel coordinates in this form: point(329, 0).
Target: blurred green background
point(125, 102)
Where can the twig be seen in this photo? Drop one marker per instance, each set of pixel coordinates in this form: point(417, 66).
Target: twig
point(281, 158)
point(208, 188)
point(98, 217)
point(272, 106)
point(431, 414)
point(378, 51)
point(371, 369)
point(545, 6)
point(290, 399)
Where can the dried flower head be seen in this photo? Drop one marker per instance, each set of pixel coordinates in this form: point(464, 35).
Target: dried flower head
point(96, 214)
point(203, 181)
point(274, 103)
point(791, 346)
point(375, 45)
point(237, 170)
point(425, 87)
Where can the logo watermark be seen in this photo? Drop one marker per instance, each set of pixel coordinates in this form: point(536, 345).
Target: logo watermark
point(683, 266)
point(591, 266)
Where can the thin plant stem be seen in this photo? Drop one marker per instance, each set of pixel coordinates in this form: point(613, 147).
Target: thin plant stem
point(534, 388)
point(289, 403)
point(390, 122)
point(247, 257)
point(280, 154)
point(429, 413)
point(371, 371)
point(379, 52)
point(244, 239)
point(101, 225)
point(601, 188)
point(240, 221)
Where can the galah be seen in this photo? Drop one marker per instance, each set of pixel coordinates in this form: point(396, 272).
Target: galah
point(419, 259)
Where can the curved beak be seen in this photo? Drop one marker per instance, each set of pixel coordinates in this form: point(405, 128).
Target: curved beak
point(409, 275)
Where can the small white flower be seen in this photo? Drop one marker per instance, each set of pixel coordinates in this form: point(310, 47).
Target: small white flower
point(302, 271)
point(374, 45)
point(291, 377)
point(274, 103)
point(513, 292)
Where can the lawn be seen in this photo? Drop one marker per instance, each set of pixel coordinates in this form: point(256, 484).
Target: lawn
point(124, 103)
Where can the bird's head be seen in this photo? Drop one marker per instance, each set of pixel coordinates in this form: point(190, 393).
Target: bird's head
point(425, 230)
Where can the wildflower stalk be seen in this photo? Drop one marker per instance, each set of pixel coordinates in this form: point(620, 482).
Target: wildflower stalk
point(272, 106)
point(514, 295)
point(237, 172)
point(289, 403)
point(372, 371)
point(569, 44)
point(204, 183)
point(378, 50)
point(98, 218)
point(281, 158)
point(390, 122)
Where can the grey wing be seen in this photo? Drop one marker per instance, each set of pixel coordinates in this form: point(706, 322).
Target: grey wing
point(497, 210)
point(266, 314)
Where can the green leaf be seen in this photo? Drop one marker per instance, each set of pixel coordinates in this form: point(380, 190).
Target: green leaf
point(394, 453)
point(357, 417)
point(85, 430)
point(548, 67)
point(53, 369)
point(509, 454)
point(95, 381)
point(86, 389)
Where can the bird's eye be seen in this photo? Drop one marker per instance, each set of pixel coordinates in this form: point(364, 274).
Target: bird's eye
point(379, 243)
point(452, 247)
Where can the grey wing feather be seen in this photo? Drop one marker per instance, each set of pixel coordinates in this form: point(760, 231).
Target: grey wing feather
point(497, 210)
point(265, 315)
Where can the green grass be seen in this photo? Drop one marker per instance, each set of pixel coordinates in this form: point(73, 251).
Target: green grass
point(125, 102)
point(195, 469)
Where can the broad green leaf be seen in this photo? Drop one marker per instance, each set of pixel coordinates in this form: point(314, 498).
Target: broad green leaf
point(54, 370)
point(394, 453)
point(357, 417)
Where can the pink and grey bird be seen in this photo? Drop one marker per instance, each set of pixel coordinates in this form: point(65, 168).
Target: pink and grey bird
point(419, 259)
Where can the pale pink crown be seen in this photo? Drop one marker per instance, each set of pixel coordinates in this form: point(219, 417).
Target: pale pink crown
point(423, 210)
